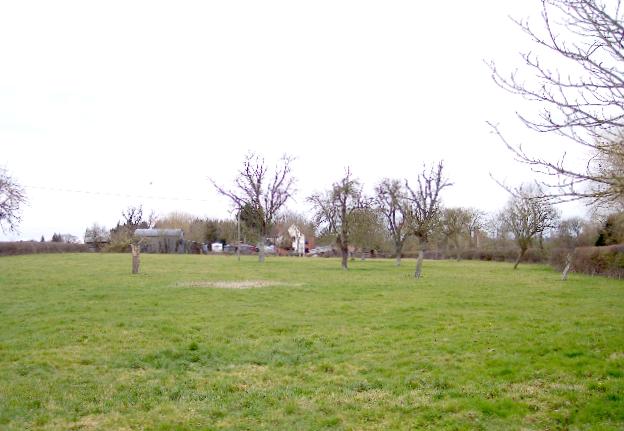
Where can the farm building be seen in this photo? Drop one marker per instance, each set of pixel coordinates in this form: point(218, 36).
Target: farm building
point(161, 240)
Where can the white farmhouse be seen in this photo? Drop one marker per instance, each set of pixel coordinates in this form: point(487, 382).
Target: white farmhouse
point(298, 240)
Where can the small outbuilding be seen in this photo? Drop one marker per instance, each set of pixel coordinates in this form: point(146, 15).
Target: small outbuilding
point(161, 240)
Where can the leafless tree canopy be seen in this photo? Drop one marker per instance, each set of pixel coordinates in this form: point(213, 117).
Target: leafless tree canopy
point(12, 198)
point(527, 217)
point(260, 192)
point(455, 224)
point(424, 208)
point(96, 235)
point(256, 188)
point(424, 200)
point(476, 222)
point(333, 210)
point(580, 90)
point(133, 218)
point(390, 200)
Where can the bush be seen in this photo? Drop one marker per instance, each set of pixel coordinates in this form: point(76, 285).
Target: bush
point(117, 247)
point(32, 247)
point(510, 254)
point(608, 260)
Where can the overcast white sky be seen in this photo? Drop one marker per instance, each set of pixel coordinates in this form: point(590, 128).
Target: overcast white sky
point(130, 99)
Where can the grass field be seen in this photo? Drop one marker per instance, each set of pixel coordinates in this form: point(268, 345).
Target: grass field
point(84, 345)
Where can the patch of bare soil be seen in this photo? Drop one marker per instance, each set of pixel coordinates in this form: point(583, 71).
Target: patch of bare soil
point(242, 284)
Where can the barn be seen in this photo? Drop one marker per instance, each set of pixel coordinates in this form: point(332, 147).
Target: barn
point(161, 240)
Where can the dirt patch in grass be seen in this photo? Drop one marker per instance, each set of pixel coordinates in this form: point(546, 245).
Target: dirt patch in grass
point(241, 284)
point(616, 356)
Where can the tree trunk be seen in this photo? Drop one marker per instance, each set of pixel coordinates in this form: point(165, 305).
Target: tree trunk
point(398, 249)
point(345, 258)
point(261, 251)
point(522, 251)
point(457, 250)
point(136, 258)
point(419, 261)
point(564, 276)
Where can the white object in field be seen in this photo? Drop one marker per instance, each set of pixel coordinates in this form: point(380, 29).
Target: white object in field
point(298, 240)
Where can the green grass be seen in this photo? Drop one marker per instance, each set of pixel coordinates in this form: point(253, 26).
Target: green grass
point(84, 345)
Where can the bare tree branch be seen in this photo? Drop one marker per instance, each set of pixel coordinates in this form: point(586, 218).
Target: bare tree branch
point(424, 209)
point(391, 201)
point(12, 199)
point(259, 193)
point(333, 210)
point(527, 216)
point(584, 104)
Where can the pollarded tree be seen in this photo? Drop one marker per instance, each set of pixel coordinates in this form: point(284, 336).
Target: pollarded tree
point(121, 236)
point(528, 216)
point(12, 199)
point(391, 201)
point(424, 208)
point(261, 194)
point(575, 73)
point(334, 209)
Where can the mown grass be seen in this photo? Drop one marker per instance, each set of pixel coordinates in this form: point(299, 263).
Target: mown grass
point(84, 345)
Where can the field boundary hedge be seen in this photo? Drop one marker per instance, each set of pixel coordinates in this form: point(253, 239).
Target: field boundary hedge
point(607, 260)
point(35, 247)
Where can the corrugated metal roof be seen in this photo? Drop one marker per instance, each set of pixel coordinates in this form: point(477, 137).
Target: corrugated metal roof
point(159, 233)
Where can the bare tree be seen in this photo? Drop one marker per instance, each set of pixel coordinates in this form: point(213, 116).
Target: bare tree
point(455, 223)
point(97, 236)
point(12, 198)
point(368, 231)
point(391, 201)
point(133, 219)
point(334, 209)
point(528, 216)
point(194, 228)
point(497, 230)
point(568, 232)
point(261, 194)
point(68, 238)
point(580, 89)
point(122, 236)
point(476, 222)
point(424, 209)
